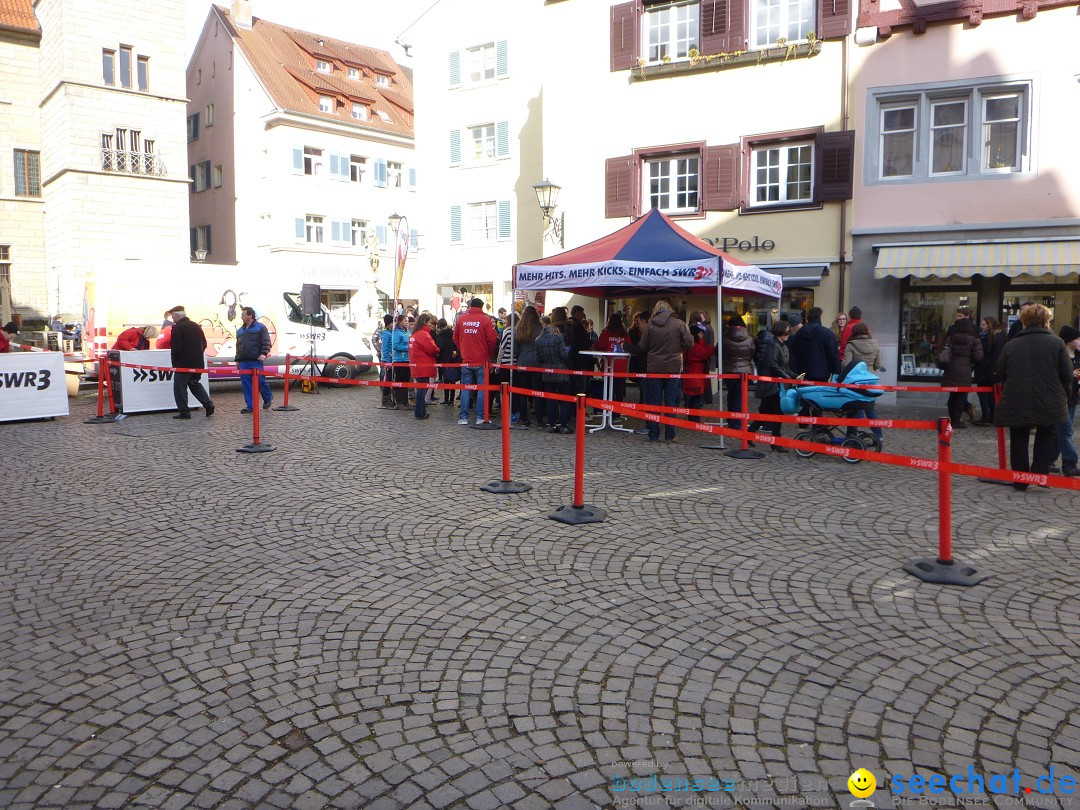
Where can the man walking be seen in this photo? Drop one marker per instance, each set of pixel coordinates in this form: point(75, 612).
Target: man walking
point(663, 342)
point(476, 339)
point(188, 350)
point(813, 349)
point(252, 348)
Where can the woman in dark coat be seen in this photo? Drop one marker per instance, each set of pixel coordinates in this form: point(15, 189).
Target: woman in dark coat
point(993, 341)
point(1036, 374)
point(777, 363)
point(966, 351)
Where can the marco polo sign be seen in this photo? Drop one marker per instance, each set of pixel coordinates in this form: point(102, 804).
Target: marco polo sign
point(732, 243)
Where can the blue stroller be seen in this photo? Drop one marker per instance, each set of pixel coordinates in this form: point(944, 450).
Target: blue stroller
point(844, 403)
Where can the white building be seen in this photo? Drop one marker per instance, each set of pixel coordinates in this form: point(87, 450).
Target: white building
point(300, 148)
point(93, 121)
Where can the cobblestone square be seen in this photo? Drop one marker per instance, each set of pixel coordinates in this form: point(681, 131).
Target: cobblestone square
point(349, 622)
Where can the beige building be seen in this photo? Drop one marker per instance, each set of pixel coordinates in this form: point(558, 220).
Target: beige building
point(96, 116)
point(300, 148)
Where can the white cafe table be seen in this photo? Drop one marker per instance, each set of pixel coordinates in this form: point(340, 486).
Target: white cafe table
point(607, 360)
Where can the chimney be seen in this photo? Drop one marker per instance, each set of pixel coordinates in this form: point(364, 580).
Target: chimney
point(241, 13)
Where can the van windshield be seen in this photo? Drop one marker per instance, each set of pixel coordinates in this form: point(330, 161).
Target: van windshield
point(296, 314)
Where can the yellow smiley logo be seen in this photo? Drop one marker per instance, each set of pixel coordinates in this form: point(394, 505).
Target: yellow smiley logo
point(862, 783)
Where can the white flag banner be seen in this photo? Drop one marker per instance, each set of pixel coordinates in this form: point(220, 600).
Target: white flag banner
point(617, 273)
point(749, 278)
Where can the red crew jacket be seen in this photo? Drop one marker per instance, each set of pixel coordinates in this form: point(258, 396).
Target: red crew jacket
point(475, 337)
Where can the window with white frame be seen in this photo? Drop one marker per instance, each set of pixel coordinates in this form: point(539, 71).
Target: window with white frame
point(949, 130)
point(326, 104)
point(125, 66)
point(218, 176)
point(354, 73)
point(672, 183)
point(313, 229)
point(108, 66)
point(357, 167)
point(670, 31)
point(202, 182)
point(773, 21)
point(483, 222)
point(381, 80)
point(142, 73)
point(312, 160)
point(359, 111)
point(393, 174)
point(208, 115)
point(480, 63)
point(323, 66)
point(385, 116)
point(782, 174)
point(483, 138)
point(201, 240)
point(359, 232)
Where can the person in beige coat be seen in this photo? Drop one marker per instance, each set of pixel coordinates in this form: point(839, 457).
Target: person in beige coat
point(862, 347)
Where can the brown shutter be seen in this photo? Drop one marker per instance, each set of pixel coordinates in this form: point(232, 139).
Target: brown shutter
point(835, 166)
point(720, 183)
point(625, 35)
point(834, 18)
point(723, 26)
point(619, 187)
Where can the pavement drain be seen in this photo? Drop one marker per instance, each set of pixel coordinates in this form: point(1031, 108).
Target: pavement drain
point(295, 740)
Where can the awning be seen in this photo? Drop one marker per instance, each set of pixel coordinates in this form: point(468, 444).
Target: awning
point(1036, 258)
point(798, 275)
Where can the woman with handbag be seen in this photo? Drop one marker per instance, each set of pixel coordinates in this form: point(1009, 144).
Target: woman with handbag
point(958, 360)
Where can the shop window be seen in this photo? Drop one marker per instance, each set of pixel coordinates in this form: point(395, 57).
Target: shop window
point(925, 318)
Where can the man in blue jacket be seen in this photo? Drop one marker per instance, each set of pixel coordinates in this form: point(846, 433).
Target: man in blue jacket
point(813, 349)
point(386, 357)
point(252, 348)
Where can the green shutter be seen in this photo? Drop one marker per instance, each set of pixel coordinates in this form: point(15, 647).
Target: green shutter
point(504, 219)
point(502, 61)
point(455, 147)
point(455, 223)
point(455, 68)
point(502, 139)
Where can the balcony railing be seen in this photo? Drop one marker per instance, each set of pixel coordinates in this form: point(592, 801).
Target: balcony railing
point(117, 160)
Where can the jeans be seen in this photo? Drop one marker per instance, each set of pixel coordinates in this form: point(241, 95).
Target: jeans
point(866, 413)
point(1042, 454)
point(184, 381)
point(661, 392)
point(472, 375)
point(734, 401)
point(245, 382)
point(421, 398)
point(1063, 433)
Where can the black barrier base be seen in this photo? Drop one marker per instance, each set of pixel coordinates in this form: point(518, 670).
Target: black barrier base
point(929, 569)
point(101, 420)
point(285, 408)
point(485, 426)
point(738, 452)
point(256, 448)
point(506, 487)
point(576, 515)
point(995, 481)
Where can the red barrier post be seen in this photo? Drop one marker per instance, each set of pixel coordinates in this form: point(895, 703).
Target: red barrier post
point(486, 394)
point(100, 418)
point(1000, 430)
point(108, 384)
point(256, 445)
point(285, 406)
point(579, 512)
point(506, 486)
point(744, 450)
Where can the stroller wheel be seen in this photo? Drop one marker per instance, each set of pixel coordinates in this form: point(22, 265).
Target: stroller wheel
point(870, 441)
point(806, 436)
point(853, 444)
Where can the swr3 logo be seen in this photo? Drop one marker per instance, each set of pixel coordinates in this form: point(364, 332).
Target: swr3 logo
point(41, 379)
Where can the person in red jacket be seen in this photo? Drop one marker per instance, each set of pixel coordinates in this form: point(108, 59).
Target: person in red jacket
point(854, 317)
point(696, 361)
point(135, 339)
point(423, 352)
point(476, 339)
point(7, 334)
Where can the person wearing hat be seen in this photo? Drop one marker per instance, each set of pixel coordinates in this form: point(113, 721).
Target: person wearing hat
point(1064, 432)
point(8, 334)
point(188, 350)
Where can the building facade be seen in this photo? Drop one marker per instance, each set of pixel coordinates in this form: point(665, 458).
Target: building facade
point(300, 148)
point(965, 184)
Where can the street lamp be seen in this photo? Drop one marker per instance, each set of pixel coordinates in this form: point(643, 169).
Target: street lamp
point(547, 193)
point(394, 220)
point(200, 255)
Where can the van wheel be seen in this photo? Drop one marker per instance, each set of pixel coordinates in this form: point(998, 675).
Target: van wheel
point(339, 371)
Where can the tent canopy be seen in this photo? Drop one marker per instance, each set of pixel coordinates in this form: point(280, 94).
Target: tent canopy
point(650, 255)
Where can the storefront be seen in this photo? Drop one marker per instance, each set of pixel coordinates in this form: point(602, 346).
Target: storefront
point(454, 298)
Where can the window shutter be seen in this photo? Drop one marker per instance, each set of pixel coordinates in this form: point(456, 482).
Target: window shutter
point(504, 219)
point(720, 178)
point(191, 173)
point(414, 238)
point(502, 62)
point(455, 147)
point(380, 173)
point(335, 231)
point(835, 166)
point(380, 235)
point(300, 229)
point(502, 139)
point(619, 187)
point(209, 246)
point(455, 68)
point(194, 243)
point(455, 224)
point(298, 160)
point(412, 179)
point(723, 26)
point(834, 18)
point(194, 126)
point(333, 165)
point(625, 35)
point(206, 174)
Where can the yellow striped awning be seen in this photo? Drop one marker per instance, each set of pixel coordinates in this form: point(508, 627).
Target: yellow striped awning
point(1055, 257)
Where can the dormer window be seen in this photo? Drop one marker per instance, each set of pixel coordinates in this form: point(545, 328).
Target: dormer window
point(385, 117)
point(382, 81)
point(359, 112)
point(354, 73)
point(323, 66)
point(326, 104)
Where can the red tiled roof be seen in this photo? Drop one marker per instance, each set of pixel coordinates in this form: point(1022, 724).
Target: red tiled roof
point(284, 60)
point(18, 15)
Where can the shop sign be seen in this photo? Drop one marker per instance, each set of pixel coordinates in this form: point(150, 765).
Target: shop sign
point(730, 243)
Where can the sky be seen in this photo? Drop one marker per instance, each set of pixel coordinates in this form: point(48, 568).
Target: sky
point(365, 22)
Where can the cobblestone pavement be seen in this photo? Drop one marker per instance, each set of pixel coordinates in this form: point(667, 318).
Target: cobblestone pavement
point(349, 622)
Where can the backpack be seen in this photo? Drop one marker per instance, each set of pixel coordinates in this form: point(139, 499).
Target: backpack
point(760, 341)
